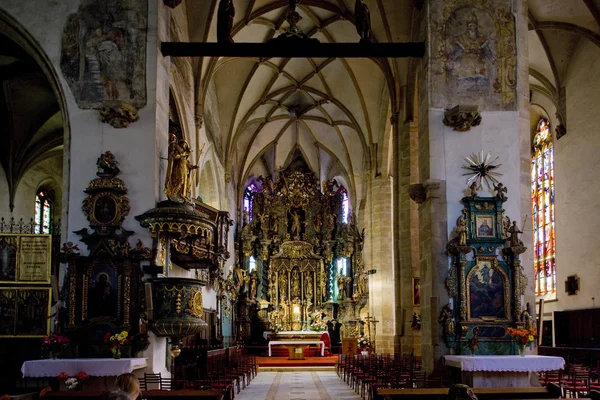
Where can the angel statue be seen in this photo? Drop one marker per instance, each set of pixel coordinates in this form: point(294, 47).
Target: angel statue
point(178, 179)
point(363, 20)
point(225, 16)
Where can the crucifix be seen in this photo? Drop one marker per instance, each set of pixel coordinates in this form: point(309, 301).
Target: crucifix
point(371, 320)
point(294, 43)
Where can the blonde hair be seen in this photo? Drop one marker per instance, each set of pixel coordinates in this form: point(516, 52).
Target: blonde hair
point(129, 384)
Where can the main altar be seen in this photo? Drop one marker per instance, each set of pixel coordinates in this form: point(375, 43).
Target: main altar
point(299, 260)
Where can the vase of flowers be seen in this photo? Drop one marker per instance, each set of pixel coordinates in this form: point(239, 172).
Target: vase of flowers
point(74, 382)
point(364, 343)
point(55, 344)
point(318, 327)
point(115, 342)
point(522, 337)
point(276, 327)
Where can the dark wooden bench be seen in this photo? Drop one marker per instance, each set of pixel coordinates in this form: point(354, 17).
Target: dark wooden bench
point(481, 393)
point(146, 394)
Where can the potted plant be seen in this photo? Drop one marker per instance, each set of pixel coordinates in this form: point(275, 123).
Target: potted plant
point(115, 342)
point(522, 337)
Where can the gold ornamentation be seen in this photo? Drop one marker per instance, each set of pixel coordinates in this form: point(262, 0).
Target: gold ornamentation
point(118, 114)
point(196, 308)
point(179, 178)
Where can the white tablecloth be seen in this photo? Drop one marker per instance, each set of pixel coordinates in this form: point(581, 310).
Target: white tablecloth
point(530, 363)
point(300, 333)
point(307, 342)
point(91, 366)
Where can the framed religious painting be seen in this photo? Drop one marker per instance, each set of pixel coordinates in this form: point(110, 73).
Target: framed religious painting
point(488, 291)
point(416, 291)
point(24, 312)
point(484, 225)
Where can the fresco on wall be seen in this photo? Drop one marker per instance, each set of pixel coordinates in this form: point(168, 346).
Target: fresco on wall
point(103, 55)
point(474, 61)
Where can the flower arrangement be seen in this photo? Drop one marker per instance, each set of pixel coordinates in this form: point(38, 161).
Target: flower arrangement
point(364, 342)
point(116, 341)
point(276, 327)
point(55, 343)
point(319, 326)
point(72, 382)
point(522, 337)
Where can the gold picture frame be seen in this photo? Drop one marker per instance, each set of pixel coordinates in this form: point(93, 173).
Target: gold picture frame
point(31, 308)
point(485, 226)
point(28, 259)
point(486, 308)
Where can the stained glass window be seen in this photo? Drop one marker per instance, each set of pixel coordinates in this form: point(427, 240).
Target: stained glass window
point(41, 217)
point(345, 205)
point(542, 199)
point(252, 264)
point(248, 204)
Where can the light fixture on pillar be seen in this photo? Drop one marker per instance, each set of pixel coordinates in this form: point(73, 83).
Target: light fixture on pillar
point(462, 118)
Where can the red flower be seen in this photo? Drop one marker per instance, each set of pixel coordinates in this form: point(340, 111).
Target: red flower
point(81, 376)
point(63, 376)
point(524, 340)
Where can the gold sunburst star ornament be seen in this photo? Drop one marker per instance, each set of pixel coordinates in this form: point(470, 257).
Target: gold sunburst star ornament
point(481, 169)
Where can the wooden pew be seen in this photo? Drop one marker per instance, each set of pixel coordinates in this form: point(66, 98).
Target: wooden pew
point(146, 394)
point(481, 393)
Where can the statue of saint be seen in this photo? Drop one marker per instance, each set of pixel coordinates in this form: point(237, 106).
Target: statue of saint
point(225, 16)
point(295, 284)
point(341, 281)
point(318, 223)
point(461, 230)
point(362, 283)
point(253, 285)
point(282, 286)
point(308, 283)
point(178, 180)
point(526, 317)
point(363, 20)
point(514, 235)
point(296, 224)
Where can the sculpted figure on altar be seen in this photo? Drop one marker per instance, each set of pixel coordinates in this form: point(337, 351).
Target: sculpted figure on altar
point(461, 229)
point(309, 285)
point(296, 225)
point(253, 285)
point(282, 286)
point(341, 281)
point(295, 284)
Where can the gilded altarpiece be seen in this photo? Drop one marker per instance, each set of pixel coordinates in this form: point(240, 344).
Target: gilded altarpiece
point(485, 281)
point(296, 232)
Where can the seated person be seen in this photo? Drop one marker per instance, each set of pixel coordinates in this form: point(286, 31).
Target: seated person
point(130, 385)
point(114, 395)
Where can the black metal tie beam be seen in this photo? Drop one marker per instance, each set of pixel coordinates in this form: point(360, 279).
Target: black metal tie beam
point(289, 50)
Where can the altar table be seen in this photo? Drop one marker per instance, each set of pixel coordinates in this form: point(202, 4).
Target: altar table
point(297, 344)
point(91, 366)
point(502, 371)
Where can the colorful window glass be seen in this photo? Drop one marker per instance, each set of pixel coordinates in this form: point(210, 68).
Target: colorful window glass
point(345, 204)
point(542, 199)
point(41, 219)
point(248, 204)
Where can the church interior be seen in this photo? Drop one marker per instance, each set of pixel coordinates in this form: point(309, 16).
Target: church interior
point(209, 193)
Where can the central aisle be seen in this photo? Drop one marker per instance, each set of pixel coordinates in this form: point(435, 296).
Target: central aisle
point(297, 386)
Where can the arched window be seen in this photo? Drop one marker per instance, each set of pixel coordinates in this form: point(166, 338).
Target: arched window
point(542, 199)
point(248, 205)
point(345, 204)
point(42, 215)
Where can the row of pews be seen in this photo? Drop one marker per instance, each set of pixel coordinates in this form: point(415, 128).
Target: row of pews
point(384, 376)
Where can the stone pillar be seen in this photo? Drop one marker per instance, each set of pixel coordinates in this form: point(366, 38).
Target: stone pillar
point(381, 284)
point(494, 81)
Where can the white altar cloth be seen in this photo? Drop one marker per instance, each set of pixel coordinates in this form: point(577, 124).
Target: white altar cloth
point(283, 342)
point(300, 333)
point(91, 366)
point(529, 363)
